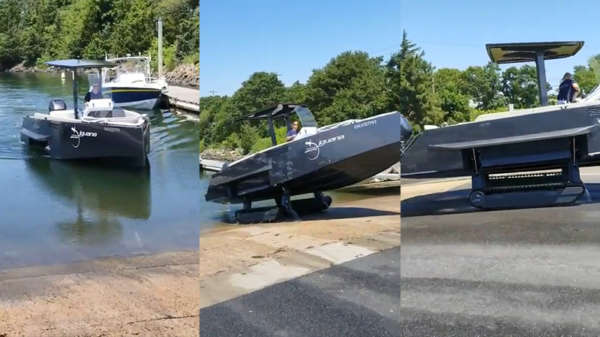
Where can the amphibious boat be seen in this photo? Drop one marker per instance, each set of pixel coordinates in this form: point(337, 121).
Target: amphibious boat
point(317, 160)
point(520, 158)
point(99, 131)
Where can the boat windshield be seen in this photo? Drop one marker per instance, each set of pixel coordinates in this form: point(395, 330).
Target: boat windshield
point(128, 70)
point(306, 117)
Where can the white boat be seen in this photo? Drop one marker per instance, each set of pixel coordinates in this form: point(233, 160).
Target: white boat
point(129, 83)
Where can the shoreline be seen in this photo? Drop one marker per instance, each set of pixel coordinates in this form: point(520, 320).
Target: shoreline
point(182, 75)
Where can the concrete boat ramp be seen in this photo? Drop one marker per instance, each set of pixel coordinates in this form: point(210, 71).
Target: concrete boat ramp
point(187, 99)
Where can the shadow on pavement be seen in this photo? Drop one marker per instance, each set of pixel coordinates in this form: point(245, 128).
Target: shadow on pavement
point(457, 201)
point(345, 213)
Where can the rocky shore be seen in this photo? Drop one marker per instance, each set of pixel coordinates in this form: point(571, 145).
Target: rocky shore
point(184, 75)
point(221, 154)
point(21, 68)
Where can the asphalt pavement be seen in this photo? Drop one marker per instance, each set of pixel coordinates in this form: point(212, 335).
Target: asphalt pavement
point(360, 298)
point(522, 272)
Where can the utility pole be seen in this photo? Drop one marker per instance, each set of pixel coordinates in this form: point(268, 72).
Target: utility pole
point(160, 52)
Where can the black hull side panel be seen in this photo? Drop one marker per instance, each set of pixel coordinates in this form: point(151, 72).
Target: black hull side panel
point(330, 159)
point(423, 159)
point(346, 172)
point(87, 140)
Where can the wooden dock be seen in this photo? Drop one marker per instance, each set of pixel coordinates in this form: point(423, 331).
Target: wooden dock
point(187, 99)
point(210, 164)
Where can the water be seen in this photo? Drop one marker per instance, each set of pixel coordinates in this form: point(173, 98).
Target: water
point(55, 211)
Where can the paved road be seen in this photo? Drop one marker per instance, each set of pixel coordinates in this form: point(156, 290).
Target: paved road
point(357, 298)
point(529, 272)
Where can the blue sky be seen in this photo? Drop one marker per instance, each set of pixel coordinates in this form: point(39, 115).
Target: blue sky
point(290, 38)
point(454, 33)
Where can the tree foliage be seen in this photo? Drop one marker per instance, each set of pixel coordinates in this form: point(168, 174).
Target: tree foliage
point(410, 84)
point(519, 86)
point(351, 85)
point(588, 77)
point(34, 31)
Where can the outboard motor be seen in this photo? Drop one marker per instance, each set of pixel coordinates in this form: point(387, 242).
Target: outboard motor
point(57, 104)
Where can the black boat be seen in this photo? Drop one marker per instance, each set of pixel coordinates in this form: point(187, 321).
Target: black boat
point(520, 158)
point(99, 131)
point(317, 160)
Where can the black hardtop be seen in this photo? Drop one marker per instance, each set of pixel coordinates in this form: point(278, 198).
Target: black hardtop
point(281, 110)
point(526, 51)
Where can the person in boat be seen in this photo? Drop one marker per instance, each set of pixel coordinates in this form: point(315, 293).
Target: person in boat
point(293, 132)
point(567, 90)
point(95, 93)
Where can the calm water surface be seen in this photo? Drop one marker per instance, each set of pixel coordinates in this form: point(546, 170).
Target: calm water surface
point(55, 211)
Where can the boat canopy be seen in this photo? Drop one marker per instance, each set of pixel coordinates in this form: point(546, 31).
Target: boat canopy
point(76, 64)
point(527, 51)
point(533, 51)
point(284, 110)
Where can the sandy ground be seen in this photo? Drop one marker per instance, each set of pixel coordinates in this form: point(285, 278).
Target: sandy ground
point(241, 259)
point(153, 295)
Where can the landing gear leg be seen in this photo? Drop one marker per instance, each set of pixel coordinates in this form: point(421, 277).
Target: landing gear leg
point(324, 200)
point(247, 204)
point(286, 203)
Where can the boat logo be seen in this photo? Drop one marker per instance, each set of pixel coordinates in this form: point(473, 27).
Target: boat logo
point(77, 135)
point(312, 150)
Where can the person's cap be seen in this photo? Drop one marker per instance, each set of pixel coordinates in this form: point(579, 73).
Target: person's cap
point(567, 75)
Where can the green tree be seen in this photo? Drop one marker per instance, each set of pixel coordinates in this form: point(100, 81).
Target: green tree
point(260, 91)
point(519, 86)
point(410, 86)
point(484, 85)
point(351, 85)
point(449, 87)
point(35, 31)
point(588, 77)
point(296, 93)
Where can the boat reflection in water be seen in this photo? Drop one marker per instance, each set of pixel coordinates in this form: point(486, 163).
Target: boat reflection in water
point(100, 195)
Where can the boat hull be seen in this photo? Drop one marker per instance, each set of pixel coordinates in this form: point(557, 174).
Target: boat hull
point(332, 158)
point(522, 140)
point(134, 97)
point(88, 140)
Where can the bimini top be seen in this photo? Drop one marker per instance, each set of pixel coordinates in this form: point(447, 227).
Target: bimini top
point(75, 64)
point(280, 110)
point(527, 51)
